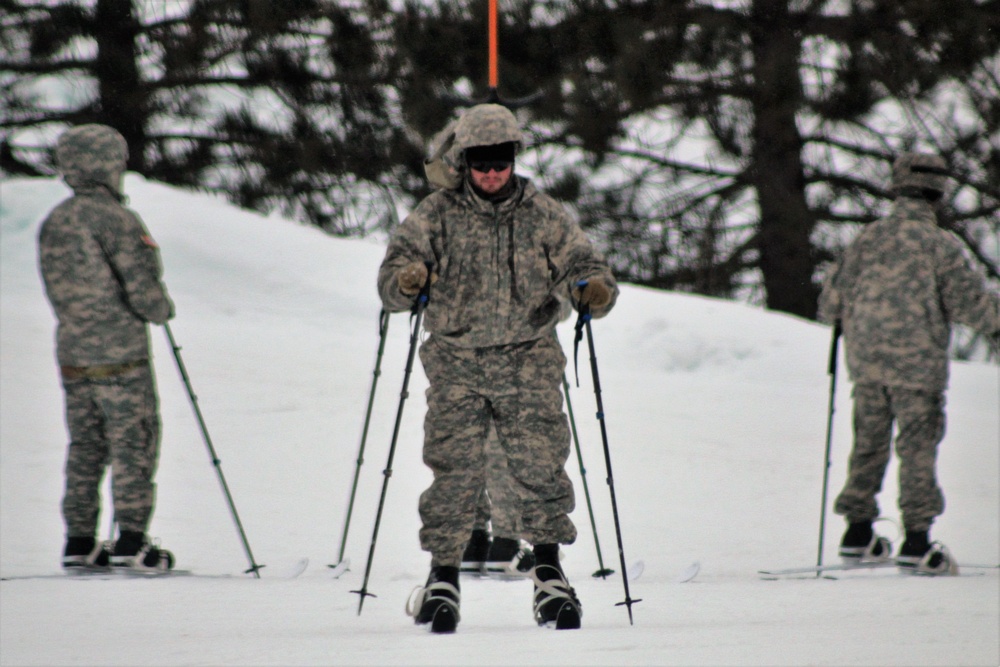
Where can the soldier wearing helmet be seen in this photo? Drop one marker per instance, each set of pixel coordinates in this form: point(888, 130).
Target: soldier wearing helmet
point(919, 175)
point(102, 276)
point(895, 293)
point(504, 259)
point(494, 546)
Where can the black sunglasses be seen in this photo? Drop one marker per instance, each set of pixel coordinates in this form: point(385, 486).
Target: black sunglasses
point(486, 166)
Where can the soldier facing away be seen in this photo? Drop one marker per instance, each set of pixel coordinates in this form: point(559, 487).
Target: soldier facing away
point(102, 276)
point(896, 292)
point(504, 259)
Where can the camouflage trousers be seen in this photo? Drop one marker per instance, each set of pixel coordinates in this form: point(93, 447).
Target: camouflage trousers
point(497, 507)
point(112, 421)
point(920, 423)
point(517, 388)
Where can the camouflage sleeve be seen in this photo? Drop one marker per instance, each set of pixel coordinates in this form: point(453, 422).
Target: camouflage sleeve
point(410, 242)
point(842, 275)
point(135, 259)
point(964, 295)
point(579, 259)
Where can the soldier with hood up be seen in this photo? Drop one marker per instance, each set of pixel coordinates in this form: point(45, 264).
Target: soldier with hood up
point(102, 276)
point(504, 259)
point(896, 292)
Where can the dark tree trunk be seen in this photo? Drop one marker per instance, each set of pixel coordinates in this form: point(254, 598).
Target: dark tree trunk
point(786, 258)
point(122, 98)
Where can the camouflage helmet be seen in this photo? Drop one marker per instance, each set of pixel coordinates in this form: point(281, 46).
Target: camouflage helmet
point(919, 170)
point(486, 125)
point(89, 154)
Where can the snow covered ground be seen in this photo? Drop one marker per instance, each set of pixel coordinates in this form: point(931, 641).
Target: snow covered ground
point(716, 416)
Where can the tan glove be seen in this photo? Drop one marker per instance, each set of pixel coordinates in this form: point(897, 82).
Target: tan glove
point(594, 294)
point(412, 277)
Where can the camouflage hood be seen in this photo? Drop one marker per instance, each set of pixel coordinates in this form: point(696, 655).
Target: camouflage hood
point(92, 155)
point(482, 125)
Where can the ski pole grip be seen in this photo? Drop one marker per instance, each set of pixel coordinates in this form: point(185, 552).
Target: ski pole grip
point(832, 366)
point(584, 308)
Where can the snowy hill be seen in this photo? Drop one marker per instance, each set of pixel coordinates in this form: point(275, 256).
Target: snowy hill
point(716, 416)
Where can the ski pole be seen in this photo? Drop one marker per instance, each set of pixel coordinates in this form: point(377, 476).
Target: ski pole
point(603, 572)
point(383, 328)
point(832, 370)
point(417, 315)
point(583, 322)
point(254, 567)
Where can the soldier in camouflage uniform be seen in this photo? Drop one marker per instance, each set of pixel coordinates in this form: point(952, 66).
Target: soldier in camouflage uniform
point(895, 292)
point(102, 276)
point(504, 258)
point(493, 544)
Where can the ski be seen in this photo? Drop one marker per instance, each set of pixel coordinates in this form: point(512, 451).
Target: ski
point(688, 573)
point(833, 567)
point(495, 574)
point(79, 573)
point(159, 574)
point(108, 573)
point(299, 567)
point(826, 571)
point(338, 569)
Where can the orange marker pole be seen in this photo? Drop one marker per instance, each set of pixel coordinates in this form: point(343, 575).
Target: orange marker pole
point(494, 78)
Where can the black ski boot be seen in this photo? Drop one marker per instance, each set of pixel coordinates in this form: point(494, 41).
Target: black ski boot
point(135, 552)
point(555, 601)
point(861, 544)
point(474, 557)
point(500, 558)
point(919, 555)
point(85, 553)
point(439, 600)
point(508, 559)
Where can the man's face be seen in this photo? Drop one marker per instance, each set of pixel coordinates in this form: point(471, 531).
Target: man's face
point(490, 177)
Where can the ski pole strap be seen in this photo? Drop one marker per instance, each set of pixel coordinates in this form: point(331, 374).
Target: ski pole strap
point(581, 321)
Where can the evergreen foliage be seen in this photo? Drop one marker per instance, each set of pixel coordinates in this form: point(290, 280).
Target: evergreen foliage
point(722, 148)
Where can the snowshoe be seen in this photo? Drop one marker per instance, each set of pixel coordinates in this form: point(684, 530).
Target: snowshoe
point(438, 601)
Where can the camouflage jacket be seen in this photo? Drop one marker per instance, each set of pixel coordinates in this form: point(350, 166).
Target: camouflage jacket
point(897, 290)
point(505, 270)
point(102, 273)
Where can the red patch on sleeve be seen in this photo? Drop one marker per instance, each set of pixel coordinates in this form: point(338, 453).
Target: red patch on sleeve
point(148, 240)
